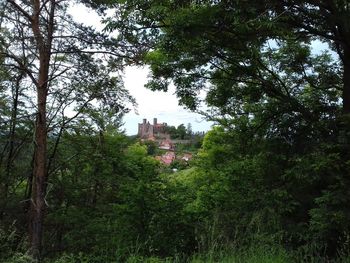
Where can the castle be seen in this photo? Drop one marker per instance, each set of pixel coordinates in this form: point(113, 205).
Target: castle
point(158, 132)
point(151, 131)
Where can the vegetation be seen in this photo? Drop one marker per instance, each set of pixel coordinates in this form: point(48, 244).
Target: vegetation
point(269, 183)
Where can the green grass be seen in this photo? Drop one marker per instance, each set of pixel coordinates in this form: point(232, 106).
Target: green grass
point(256, 255)
point(262, 254)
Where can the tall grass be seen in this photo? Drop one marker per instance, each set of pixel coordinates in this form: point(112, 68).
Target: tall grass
point(256, 254)
point(253, 255)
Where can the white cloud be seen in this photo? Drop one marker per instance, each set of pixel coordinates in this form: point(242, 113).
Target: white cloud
point(82, 14)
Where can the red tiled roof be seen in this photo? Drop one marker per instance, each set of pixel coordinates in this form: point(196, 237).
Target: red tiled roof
point(166, 158)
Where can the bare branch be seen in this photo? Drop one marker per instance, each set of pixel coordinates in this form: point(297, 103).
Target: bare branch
point(20, 9)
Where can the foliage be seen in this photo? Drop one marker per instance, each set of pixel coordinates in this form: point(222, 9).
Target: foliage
point(270, 182)
point(277, 165)
point(179, 132)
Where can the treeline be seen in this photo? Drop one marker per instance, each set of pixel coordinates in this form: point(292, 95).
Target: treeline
point(105, 201)
point(109, 202)
point(183, 133)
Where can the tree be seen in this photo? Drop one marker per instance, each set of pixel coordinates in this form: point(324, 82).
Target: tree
point(326, 20)
point(57, 58)
point(181, 131)
point(15, 136)
point(266, 86)
point(189, 130)
point(89, 168)
point(205, 43)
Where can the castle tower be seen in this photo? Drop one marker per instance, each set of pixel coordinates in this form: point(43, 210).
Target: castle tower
point(148, 130)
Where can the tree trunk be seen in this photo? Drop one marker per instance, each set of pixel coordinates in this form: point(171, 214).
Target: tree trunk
point(346, 84)
point(37, 208)
point(13, 128)
point(38, 203)
point(11, 142)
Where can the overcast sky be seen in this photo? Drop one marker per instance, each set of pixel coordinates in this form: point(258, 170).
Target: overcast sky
point(157, 104)
point(160, 105)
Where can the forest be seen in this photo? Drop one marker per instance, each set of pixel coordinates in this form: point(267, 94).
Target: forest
point(270, 182)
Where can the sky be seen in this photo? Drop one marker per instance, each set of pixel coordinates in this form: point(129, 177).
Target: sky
point(156, 104)
point(151, 104)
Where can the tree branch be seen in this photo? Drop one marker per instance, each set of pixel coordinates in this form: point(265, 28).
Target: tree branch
point(20, 9)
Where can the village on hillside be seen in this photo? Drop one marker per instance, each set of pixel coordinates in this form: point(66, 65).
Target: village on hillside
point(167, 143)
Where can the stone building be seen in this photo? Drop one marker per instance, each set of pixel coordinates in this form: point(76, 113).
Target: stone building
point(151, 131)
point(167, 144)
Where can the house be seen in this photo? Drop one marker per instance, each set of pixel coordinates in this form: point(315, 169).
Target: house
point(166, 144)
point(166, 158)
point(187, 157)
